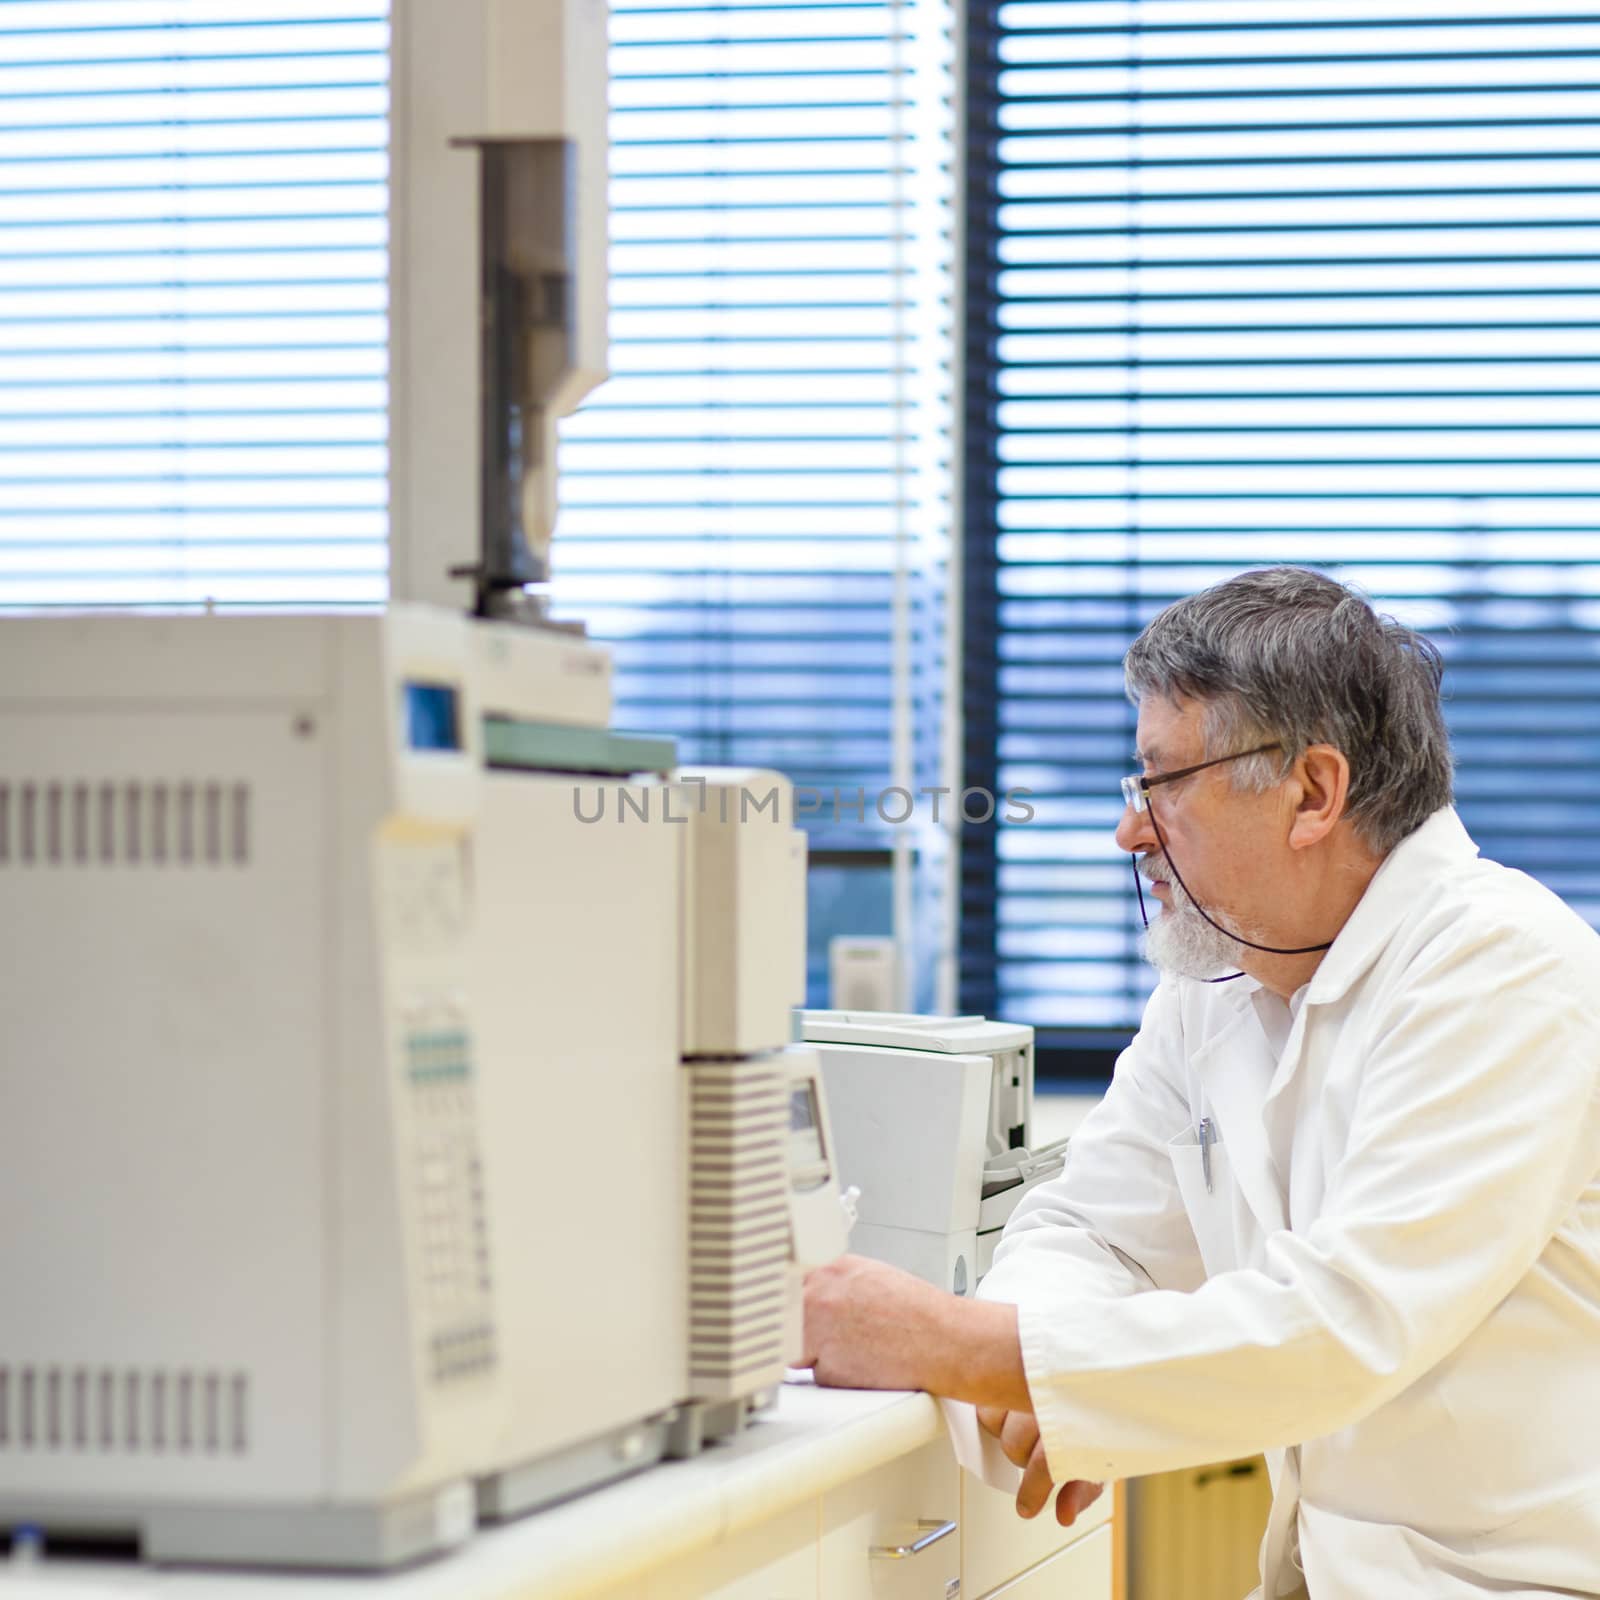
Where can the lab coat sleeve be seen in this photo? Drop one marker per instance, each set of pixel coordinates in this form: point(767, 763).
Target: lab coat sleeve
point(1475, 1130)
point(1113, 1223)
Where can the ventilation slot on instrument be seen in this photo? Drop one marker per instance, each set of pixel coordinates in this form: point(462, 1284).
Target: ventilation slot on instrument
point(738, 1226)
point(80, 823)
point(52, 823)
point(160, 823)
point(101, 1409)
point(100, 823)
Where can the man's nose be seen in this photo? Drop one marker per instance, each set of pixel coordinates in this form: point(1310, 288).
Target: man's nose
point(1136, 834)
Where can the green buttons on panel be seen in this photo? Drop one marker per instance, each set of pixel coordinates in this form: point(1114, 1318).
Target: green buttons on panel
point(439, 1057)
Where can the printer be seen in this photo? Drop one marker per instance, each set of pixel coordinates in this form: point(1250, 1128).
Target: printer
point(931, 1119)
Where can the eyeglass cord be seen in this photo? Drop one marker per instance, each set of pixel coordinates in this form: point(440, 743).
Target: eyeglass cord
point(1270, 949)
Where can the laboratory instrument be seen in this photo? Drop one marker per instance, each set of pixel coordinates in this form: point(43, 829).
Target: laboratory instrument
point(374, 1099)
point(931, 1122)
point(864, 973)
point(248, 870)
point(744, 975)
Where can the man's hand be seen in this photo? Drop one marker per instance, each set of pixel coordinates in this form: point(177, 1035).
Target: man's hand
point(871, 1326)
point(1018, 1433)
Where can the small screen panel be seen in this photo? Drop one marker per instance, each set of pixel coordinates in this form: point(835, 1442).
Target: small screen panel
point(802, 1108)
point(432, 716)
point(805, 1132)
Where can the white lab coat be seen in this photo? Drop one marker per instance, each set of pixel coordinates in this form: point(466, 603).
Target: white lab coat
point(1392, 1284)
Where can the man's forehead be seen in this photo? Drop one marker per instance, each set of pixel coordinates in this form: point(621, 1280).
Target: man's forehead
point(1168, 733)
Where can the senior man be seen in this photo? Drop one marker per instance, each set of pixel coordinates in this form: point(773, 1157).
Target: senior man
point(1341, 1202)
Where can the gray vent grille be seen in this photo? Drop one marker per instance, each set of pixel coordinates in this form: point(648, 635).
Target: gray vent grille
point(84, 823)
point(184, 1411)
point(738, 1225)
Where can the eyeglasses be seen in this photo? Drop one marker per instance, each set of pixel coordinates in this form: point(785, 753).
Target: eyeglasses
point(1136, 787)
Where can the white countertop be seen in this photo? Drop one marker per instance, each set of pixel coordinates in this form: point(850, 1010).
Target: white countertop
point(812, 1440)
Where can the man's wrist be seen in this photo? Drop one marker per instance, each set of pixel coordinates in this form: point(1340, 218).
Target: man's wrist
point(976, 1354)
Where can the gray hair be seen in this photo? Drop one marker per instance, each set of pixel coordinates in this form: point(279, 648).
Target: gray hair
point(1292, 656)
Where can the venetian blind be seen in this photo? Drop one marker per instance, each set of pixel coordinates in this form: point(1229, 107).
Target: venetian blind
point(756, 507)
point(193, 280)
point(1259, 282)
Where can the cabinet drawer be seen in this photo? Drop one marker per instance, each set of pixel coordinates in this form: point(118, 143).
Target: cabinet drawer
point(775, 1560)
point(997, 1544)
point(890, 1508)
point(1081, 1572)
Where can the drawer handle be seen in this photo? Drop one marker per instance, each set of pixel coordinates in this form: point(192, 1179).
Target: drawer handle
point(932, 1533)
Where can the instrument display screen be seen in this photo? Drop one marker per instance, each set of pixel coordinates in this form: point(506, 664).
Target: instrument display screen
point(805, 1127)
point(432, 716)
point(802, 1109)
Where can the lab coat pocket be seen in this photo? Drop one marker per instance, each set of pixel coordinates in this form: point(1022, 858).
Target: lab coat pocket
point(1205, 1180)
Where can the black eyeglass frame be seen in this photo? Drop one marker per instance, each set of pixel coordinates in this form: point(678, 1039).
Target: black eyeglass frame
point(1136, 786)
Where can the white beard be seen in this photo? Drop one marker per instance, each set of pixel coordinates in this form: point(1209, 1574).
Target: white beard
point(1180, 941)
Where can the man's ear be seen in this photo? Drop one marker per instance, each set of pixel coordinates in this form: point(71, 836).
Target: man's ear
point(1320, 785)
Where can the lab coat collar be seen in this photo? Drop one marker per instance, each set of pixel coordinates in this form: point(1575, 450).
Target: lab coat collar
point(1417, 864)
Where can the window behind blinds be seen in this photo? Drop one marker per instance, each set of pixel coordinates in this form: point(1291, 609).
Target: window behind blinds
point(193, 267)
point(1255, 282)
point(755, 508)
